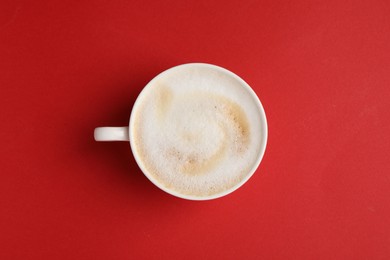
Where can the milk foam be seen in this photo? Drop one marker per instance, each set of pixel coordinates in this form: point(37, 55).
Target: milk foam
point(196, 130)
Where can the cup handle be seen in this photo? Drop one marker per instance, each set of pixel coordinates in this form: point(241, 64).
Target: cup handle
point(111, 133)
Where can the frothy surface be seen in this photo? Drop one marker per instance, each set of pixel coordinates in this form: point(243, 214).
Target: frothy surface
point(196, 130)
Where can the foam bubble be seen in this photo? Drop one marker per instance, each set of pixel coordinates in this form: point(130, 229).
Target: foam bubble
point(197, 131)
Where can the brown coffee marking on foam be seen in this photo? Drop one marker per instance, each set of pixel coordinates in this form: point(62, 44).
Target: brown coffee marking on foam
point(196, 164)
point(234, 114)
point(237, 117)
point(164, 96)
point(190, 137)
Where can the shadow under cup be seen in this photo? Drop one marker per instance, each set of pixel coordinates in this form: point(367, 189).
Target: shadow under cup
point(197, 131)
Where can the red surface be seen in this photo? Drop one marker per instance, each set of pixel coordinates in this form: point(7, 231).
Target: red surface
point(321, 69)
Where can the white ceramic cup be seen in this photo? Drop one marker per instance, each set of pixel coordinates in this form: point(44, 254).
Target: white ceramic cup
point(124, 134)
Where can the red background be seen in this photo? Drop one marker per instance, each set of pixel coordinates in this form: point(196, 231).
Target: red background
point(320, 68)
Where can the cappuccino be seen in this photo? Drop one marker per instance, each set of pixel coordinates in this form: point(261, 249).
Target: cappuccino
point(197, 131)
